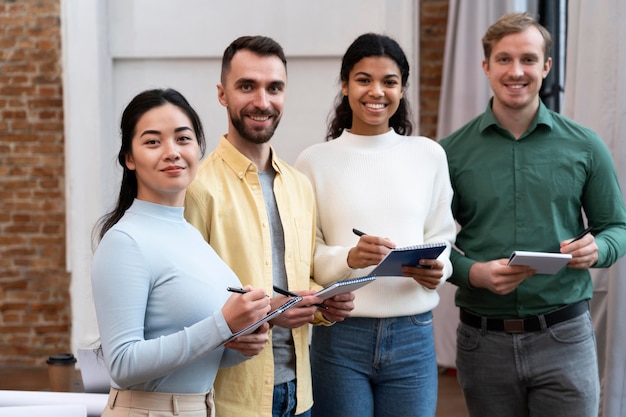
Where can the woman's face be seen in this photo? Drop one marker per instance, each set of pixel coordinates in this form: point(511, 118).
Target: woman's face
point(165, 155)
point(374, 89)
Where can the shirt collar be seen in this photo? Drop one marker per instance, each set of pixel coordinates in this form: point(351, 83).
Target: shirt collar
point(543, 117)
point(238, 162)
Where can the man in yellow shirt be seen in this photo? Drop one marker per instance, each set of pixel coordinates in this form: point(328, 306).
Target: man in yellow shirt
point(258, 213)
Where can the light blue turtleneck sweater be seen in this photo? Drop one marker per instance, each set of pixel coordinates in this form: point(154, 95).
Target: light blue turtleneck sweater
point(158, 289)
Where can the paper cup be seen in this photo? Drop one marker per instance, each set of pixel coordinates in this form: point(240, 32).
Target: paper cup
point(61, 372)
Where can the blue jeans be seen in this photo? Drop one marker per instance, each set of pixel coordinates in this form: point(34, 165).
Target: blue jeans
point(284, 401)
point(548, 373)
point(366, 367)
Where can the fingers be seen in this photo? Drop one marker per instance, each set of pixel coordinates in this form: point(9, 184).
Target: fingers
point(429, 274)
point(584, 252)
point(339, 306)
point(369, 250)
point(241, 310)
point(251, 344)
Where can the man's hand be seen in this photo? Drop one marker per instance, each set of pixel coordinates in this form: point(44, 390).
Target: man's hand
point(300, 314)
point(498, 277)
point(584, 252)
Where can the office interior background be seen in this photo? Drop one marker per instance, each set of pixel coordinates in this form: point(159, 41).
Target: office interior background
point(68, 67)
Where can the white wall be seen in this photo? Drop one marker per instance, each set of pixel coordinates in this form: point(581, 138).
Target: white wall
point(114, 49)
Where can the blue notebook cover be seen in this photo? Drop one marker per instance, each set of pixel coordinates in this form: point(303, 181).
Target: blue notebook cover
point(392, 264)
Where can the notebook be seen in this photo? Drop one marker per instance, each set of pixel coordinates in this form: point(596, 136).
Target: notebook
point(251, 328)
point(392, 264)
point(93, 371)
point(544, 262)
point(346, 285)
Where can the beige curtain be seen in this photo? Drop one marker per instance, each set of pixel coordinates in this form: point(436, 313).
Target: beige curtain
point(595, 96)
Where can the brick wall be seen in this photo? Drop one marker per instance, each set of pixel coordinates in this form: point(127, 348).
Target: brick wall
point(34, 285)
point(433, 23)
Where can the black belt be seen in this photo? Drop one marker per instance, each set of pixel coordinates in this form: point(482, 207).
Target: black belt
point(527, 324)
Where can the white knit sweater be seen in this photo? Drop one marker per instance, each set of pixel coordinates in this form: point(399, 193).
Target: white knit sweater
point(386, 185)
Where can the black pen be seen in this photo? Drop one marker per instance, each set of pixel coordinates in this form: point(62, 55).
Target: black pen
point(293, 294)
point(285, 292)
point(357, 232)
point(581, 234)
point(237, 290)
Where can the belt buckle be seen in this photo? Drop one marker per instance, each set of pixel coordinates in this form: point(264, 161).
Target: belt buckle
point(514, 326)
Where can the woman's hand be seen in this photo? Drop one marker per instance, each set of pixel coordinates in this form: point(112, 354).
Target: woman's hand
point(241, 310)
point(251, 344)
point(370, 250)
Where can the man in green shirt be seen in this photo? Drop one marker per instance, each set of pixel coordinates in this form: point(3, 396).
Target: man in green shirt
point(525, 178)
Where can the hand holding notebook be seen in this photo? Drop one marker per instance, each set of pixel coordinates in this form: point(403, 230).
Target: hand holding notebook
point(346, 285)
point(271, 315)
point(543, 262)
point(392, 263)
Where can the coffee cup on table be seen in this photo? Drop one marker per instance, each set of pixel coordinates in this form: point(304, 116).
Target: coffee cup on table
point(61, 372)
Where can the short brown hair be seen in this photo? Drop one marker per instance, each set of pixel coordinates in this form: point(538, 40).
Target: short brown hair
point(514, 23)
point(259, 45)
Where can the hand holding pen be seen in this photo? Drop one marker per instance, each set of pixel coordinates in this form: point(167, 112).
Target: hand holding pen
point(245, 307)
point(369, 250)
point(581, 235)
point(583, 256)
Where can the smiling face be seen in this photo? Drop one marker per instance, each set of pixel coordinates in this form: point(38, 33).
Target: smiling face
point(165, 155)
point(254, 94)
point(516, 69)
point(374, 89)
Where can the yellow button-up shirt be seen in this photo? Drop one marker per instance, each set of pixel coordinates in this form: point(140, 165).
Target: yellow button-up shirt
point(225, 202)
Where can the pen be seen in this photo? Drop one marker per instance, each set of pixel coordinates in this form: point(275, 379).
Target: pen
point(237, 290)
point(357, 232)
point(581, 235)
point(285, 292)
point(293, 294)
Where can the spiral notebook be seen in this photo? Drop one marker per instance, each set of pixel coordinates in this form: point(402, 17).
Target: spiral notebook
point(280, 310)
point(346, 285)
point(392, 264)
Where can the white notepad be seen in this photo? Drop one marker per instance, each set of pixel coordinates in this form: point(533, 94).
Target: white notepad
point(543, 262)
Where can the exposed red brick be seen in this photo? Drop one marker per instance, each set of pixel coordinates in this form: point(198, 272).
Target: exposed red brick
point(34, 284)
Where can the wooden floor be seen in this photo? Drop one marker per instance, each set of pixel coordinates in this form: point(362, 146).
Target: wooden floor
point(450, 403)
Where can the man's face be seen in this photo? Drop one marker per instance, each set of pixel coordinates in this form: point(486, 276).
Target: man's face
point(254, 95)
point(516, 69)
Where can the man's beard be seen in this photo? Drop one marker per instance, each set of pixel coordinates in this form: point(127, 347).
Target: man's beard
point(252, 135)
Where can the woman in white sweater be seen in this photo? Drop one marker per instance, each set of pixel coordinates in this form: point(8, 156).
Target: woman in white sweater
point(373, 176)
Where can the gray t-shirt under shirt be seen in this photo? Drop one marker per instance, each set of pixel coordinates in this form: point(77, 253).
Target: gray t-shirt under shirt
point(282, 341)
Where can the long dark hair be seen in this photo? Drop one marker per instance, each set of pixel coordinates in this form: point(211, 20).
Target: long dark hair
point(371, 44)
point(138, 106)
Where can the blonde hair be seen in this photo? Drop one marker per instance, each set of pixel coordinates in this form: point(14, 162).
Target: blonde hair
point(514, 23)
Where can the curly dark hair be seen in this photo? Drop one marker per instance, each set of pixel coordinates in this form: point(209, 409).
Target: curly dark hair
point(366, 45)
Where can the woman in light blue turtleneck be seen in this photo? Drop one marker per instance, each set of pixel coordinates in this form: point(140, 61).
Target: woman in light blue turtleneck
point(163, 310)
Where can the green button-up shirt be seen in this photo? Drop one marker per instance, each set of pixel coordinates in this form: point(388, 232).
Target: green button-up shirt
point(527, 194)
